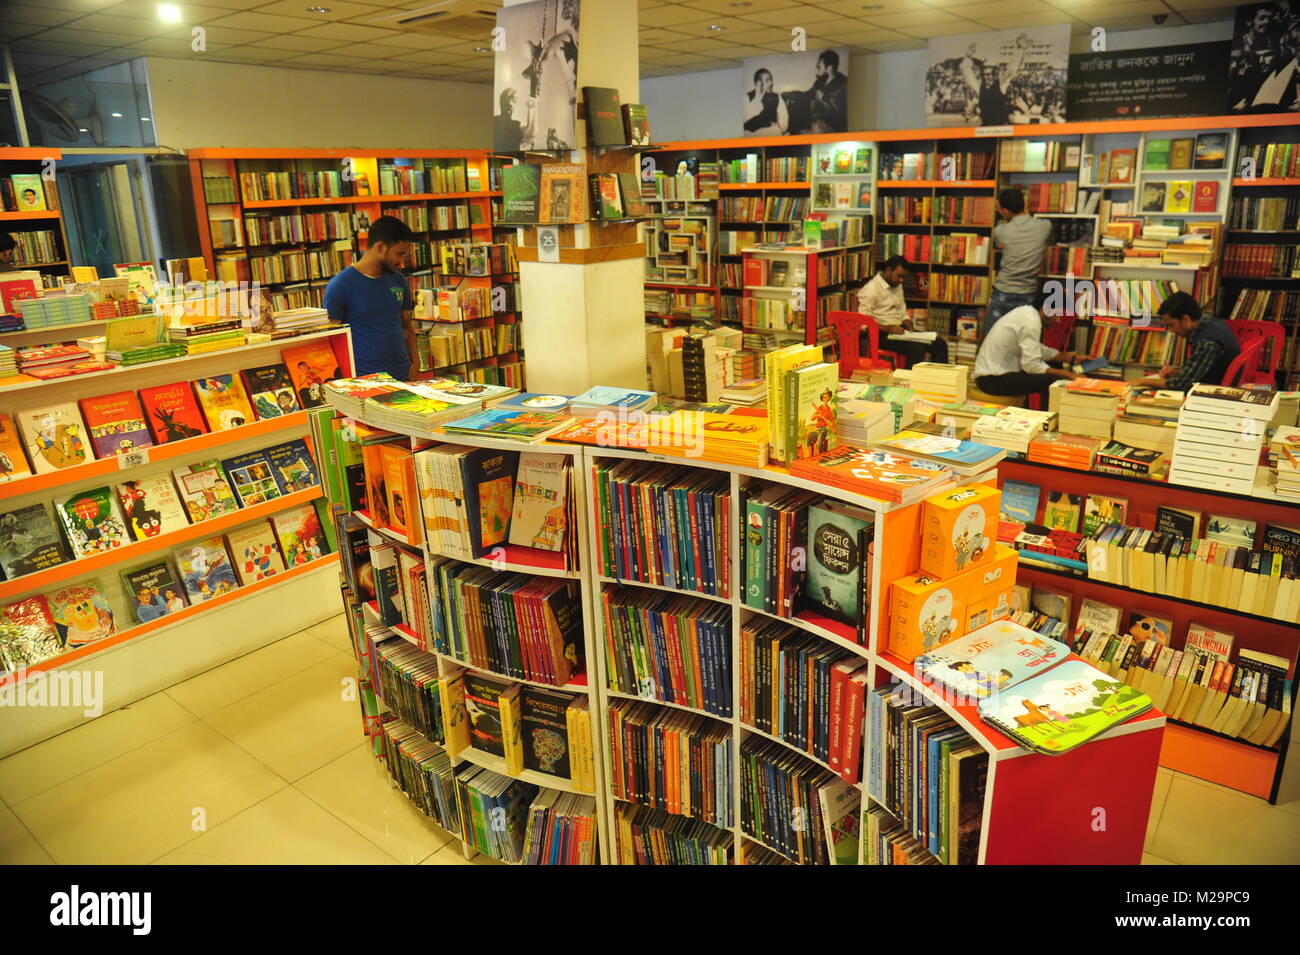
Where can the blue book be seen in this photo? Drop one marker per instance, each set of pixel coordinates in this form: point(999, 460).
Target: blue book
point(943, 448)
point(1020, 501)
point(292, 466)
point(990, 659)
point(609, 397)
point(535, 401)
point(934, 765)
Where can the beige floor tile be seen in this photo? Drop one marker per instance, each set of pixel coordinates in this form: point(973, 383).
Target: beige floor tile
point(334, 632)
point(1161, 792)
point(285, 829)
point(451, 854)
point(1211, 825)
point(60, 758)
point(356, 789)
point(254, 671)
point(300, 723)
point(132, 809)
point(17, 845)
point(1149, 859)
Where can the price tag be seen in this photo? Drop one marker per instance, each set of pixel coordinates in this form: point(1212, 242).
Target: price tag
point(132, 459)
point(982, 131)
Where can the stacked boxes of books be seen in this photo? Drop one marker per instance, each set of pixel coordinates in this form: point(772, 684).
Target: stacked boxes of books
point(940, 384)
point(1088, 406)
point(55, 310)
point(1220, 437)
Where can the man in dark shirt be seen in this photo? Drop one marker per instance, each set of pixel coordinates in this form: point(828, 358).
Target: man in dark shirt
point(372, 296)
point(828, 98)
point(1211, 346)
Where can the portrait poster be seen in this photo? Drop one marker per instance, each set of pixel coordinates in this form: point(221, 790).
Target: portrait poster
point(1264, 67)
point(535, 87)
point(790, 94)
point(997, 79)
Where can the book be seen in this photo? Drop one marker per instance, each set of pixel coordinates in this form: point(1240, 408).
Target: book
point(527, 426)
point(1216, 643)
point(1096, 617)
point(1156, 155)
point(115, 423)
point(482, 706)
point(1180, 154)
point(150, 506)
point(539, 515)
point(1231, 530)
point(251, 478)
point(875, 474)
point(13, 461)
point(254, 552)
point(171, 412)
point(27, 634)
point(811, 394)
point(1178, 199)
point(1020, 501)
point(603, 115)
point(1121, 164)
point(1153, 196)
point(521, 192)
point(636, 124)
point(1100, 510)
point(545, 731)
point(562, 193)
point(1063, 510)
point(1211, 151)
point(629, 190)
point(292, 466)
point(834, 576)
point(840, 803)
point(224, 402)
point(311, 365)
point(606, 203)
point(92, 521)
point(301, 537)
point(153, 590)
point(270, 390)
point(205, 569)
point(1205, 196)
point(204, 489)
point(54, 437)
point(1144, 626)
point(29, 192)
point(1178, 521)
point(81, 613)
point(29, 541)
point(1281, 539)
point(991, 659)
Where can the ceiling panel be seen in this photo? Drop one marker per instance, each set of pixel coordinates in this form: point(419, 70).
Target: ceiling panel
point(45, 16)
point(299, 44)
point(335, 9)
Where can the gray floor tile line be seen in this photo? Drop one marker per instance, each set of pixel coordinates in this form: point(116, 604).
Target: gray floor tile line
point(197, 835)
point(239, 699)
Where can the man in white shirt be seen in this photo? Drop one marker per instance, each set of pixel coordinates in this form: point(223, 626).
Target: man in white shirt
point(1013, 361)
point(882, 299)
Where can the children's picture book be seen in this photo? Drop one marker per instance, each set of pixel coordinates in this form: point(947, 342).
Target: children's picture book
point(270, 390)
point(153, 590)
point(251, 478)
point(812, 399)
point(488, 480)
point(151, 506)
point(539, 512)
point(171, 412)
point(311, 365)
point(54, 437)
point(992, 658)
point(482, 704)
point(204, 490)
point(27, 633)
point(1100, 510)
point(254, 552)
point(292, 466)
point(840, 801)
point(510, 425)
point(1056, 711)
point(1020, 502)
point(1231, 530)
point(834, 581)
point(301, 537)
point(205, 569)
point(545, 731)
point(1144, 626)
point(115, 423)
point(81, 613)
point(534, 401)
point(1063, 511)
point(92, 521)
point(29, 541)
point(224, 402)
point(13, 462)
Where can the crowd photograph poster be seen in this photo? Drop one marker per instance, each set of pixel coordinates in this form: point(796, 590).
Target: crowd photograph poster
point(1159, 83)
point(790, 94)
point(993, 79)
point(535, 88)
point(1264, 70)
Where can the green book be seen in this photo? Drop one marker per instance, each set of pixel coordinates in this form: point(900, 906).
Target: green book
point(834, 563)
point(1157, 154)
point(811, 400)
point(755, 553)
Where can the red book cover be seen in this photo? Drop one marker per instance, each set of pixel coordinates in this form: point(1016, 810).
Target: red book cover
point(1205, 197)
point(116, 423)
point(754, 272)
point(13, 291)
point(67, 371)
point(171, 412)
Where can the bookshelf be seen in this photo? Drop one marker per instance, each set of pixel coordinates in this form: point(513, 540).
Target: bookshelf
point(784, 287)
point(42, 237)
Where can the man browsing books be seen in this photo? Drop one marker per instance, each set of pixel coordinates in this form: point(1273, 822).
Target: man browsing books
point(7, 246)
point(1021, 240)
point(1013, 361)
point(1211, 346)
point(882, 299)
point(372, 297)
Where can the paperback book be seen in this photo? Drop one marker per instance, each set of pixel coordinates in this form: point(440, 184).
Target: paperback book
point(172, 412)
point(82, 614)
point(151, 506)
point(154, 591)
point(93, 522)
point(205, 569)
point(204, 490)
point(116, 423)
point(224, 402)
point(29, 541)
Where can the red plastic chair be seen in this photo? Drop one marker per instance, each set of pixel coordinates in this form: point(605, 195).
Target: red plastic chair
point(1273, 338)
point(848, 336)
point(1238, 373)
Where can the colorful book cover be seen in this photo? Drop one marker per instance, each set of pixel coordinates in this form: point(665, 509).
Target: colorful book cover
point(205, 569)
point(482, 696)
point(29, 192)
point(115, 423)
point(13, 462)
point(204, 490)
point(518, 425)
point(270, 390)
point(488, 479)
point(872, 473)
point(27, 634)
point(1100, 510)
point(1217, 643)
point(172, 412)
point(1144, 626)
point(521, 186)
point(151, 506)
point(154, 591)
point(1179, 198)
point(990, 659)
point(1211, 150)
point(1180, 154)
point(535, 401)
point(81, 613)
point(545, 731)
point(636, 124)
point(1205, 198)
point(310, 366)
point(834, 581)
point(93, 521)
point(251, 478)
point(1231, 530)
point(301, 537)
point(1063, 510)
point(939, 446)
point(812, 401)
point(254, 552)
point(1056, 711)
point(292, 466)
point(54, 437)
point(840, 802)
point(539, 515)
point(29, 541)
point(1020, 502)
point(224, 402)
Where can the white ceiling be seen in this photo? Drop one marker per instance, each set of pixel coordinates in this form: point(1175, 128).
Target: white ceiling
point(53, 39)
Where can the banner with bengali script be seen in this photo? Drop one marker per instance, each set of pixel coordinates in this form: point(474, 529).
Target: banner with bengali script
point(1155, 83)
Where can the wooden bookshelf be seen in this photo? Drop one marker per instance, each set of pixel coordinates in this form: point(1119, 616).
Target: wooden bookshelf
point(32, 161)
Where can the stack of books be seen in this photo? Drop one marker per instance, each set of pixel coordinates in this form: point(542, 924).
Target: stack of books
point(941, 384)
point(964, 414)
point(748, 392)
point(1076, 451)
point(1220, 437)
point(1150, 420)
point(1011, 428)
point(210, 337)
point(862, 422)
point(142, 354)
point(1284, 451)
point(414, 407)
point(740, 439)
point(1128, 461)
point(8, 362)
point(1089, 405)
point(604, 398)
point(960, 457)
point(877, 474)
point(349, 395)
point(505, 424)
point(53, 309)
point(299, 320)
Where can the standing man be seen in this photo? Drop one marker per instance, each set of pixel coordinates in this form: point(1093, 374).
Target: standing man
point(882, 299)
point(1021, 240)
point(372, 297)
point(991, 83)
point(1211, 346)
point(1013, 361)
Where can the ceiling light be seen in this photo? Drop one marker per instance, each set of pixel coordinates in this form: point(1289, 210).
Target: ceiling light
point(82, 129)
point(169, 13)
point(145, 119)
point(318, 9)
point(482, 49)
point(715, 28)
point(116, 115)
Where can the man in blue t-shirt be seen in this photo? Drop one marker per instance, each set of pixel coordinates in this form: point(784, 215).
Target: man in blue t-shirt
point(372, 296)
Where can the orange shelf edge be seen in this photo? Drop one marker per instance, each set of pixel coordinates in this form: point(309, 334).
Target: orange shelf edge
point(30, 152)
point(1246, 769)
point(38, 214)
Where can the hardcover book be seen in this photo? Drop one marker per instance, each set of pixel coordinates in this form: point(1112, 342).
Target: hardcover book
point(151, 506)
point(13, 461)
point(54, 437)
point(606, 203)
point(603, 115)
point(251, 478)
point(545, 731)
point(205, 569)
point(1153, 196)
point(172, 412)
point(812, 399)
point(1100, 510)
point(1211, 151)
point(563, 193)
point(539, 517)
point(629, 190)
point(204, 490)
point(991, 659)
point(482, 705)
point(29, 541)
point(81, 613)
point(27, 633)
point(1179, 198)
point(92, 521)
point(1206, 196)
point(520, 192)
point(224, 402)
point(301, 537)
point(292, 466)
point(29, 192)
point(1180, 154)
point(254, 552)
point(154, 591)
point(311, 365)
point(116, 423)
point(636, 124)
point(270, 390)
point(834, 582)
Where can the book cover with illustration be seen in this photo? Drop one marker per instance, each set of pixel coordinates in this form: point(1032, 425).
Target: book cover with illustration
point(81, 613)
point(29, 541)
point(172, 413)
point(488, 479)
point(1020, 502)
point(1063, 511)
point(292, 466)
point(875, 474)
point(251, 478)
point(92, 521)
point(482, 704)
point(27, 633)
point(812, 401)
point(204, 490)
point(205, 569)
point(1231, 530)
point(539, 514)
point(224, 402)
point(992, 658)
point(311, 365)
point(153, 590)
point(1056, 711)
point(1100, 510)
point(54, 437)
point(1145, 626)
point(29, 192)
point(254, 552)
point(545, 731)
point(839, 802)
point(834, 581)
point(301, 537)
point(270, 390)
point(13, 462)
point(151, 506)
point(510, 425)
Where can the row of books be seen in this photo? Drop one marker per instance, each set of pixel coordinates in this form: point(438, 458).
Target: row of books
point(1124, 344)
point(296, 227)
point(1127, 298)
point(35, 247)
point(1207, 151)
point(1261, 261)
point(477, 258)
point(956, 166)
point(841, 161)
point(796, 808)
point(1065, 260)
point(771, 314)
point(1260, 304)
point(28, 192)
point(424, 218)
point(454, 344)
point(960, 289)
point(300, 184)
point(297, 265)
point(413, 177)
point(1023, 155)
point(1042, 197)
point(842, 195)
point(1271, 160)
point(565, 193)
point(645, 836)
point(758, 209)
point(1180, 196)
point(843, 267)
point(1265, 214)
point(749, 168)
point(702, 184)
point(959, 248)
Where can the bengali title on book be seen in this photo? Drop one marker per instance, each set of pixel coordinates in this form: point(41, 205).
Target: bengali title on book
point(1155, 83)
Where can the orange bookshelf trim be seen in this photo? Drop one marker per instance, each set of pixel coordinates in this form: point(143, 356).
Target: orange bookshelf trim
point(935, 183)
point(30, 152)
point(40, 214)
point(232, 152)
point(763, 185)
point(1264, 182)
point(139, 549)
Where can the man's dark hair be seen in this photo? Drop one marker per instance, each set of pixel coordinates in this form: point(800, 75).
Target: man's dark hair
point(830, 58)
point(1180, 305)
point(893, 262)
point(7, 242)
point(389, 230)
point(1013, 200)
point(759, 72)
point(1040, 299)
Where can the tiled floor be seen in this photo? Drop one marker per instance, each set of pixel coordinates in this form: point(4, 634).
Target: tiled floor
point(260, 761)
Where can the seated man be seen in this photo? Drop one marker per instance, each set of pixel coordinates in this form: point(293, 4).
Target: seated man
point(1211, 345)
point(1013, 361)
point(882, 299)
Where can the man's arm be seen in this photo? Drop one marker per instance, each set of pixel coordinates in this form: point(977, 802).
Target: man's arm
point(1200, 360)
point(968, 72)
point(1014, 64)
point(1033, 353)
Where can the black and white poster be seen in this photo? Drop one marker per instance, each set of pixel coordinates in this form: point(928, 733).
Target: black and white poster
point(993, 79)
point(536, 83)
point(1264, 70)
point(1162, 82)
point(790, 94)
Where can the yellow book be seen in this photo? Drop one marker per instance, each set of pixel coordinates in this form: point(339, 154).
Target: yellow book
point(87, 273)
point(511, 726)
point(776, 365)
point(455, 718)
point(1282, 722)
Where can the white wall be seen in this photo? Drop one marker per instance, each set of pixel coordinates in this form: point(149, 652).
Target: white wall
point(272, 107)
point(886, 90)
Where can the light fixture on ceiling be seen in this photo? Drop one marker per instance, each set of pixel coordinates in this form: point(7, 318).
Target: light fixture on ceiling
point(169, 13)
point(715, 28)
point(116, 115)
point(145, 119)
point(318, 9)
point(82, 129)
point(482, 49)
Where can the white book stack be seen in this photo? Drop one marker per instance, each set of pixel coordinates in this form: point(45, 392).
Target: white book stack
point(941, 384)
point(1220, 437)
point(1284, 450)
point(1011, 428)
point(862, 423)
point(1088, 413)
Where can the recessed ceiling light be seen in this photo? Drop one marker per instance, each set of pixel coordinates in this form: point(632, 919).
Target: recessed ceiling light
point(145, 119)
point(116, 115)
point(318, 9)
point(482, 49)
point(715, 28)
point(82, 129)
point(169, 13)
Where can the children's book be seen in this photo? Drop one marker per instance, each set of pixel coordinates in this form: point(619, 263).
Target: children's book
point(254, 552)
point(92, 521)
point(29, 192)
point(545, 733)
point(1063, 511)
point(488, 481)
point(292, 466)
point(1100, 510)
point(540, 507)
point(834, 581)
point(81, 613)
point(27, 633)
point(224, 402)
point(270, 390)
point(54, 437)
point(151, 506)
point(13, 462)
point(205, 569)
point(29, 541)
point(811, 395)
point(204, 490)
point(992, 658)
point(1020, 502)
point(1056, 711)
point(534, 401)
point(116, 423)
point(153, 591)
point(510, 425)
point(311, 365)
point(301, 537)
point(251, 478)
point(840, 801)
point(171, 412)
